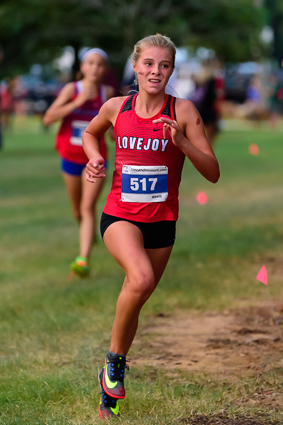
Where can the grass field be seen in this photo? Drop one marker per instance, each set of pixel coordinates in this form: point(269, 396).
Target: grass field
point(54, 332)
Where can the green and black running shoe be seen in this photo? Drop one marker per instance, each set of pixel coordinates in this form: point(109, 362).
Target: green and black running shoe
point(108, 406)
point(113, 376)
point(80, 267)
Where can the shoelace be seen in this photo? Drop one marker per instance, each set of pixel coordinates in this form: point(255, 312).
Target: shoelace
point(117, 369)
point(107, 400)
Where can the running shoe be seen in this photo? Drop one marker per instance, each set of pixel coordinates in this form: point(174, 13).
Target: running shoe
point(108, 406)
point(113, 376)
point(80, 267)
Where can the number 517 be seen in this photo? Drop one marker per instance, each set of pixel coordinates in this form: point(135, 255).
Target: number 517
point(135, 183)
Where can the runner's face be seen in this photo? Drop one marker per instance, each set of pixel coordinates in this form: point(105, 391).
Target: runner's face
point(154, 68)
point(94, 68)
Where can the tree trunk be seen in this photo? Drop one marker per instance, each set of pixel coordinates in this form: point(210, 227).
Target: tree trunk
point(76, 65)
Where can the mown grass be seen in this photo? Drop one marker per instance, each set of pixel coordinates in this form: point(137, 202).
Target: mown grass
point(54, 332)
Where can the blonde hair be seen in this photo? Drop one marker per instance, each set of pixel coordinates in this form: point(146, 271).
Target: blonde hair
point(157, 40)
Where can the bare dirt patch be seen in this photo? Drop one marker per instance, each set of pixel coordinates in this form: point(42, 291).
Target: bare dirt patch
point(241, 343)
point(222, 420)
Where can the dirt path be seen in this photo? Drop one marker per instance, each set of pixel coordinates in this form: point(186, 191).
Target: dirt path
point(242, 341)
point(231, 344)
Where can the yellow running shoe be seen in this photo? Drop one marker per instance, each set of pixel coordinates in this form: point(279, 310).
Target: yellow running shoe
point(113, 376)
point(80, 267)
point(108, 406)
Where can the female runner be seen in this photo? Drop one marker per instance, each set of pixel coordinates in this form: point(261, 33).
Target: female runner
point(154, 133)
point(76, 105)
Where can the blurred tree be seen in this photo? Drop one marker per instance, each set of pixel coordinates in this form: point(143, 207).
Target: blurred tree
point(231, 28)
point(34, 31)
point(1, 138)
point(275, 20)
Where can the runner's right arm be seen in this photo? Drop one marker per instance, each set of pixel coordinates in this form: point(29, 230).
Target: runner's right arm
point(64, 104)
point(94, 132)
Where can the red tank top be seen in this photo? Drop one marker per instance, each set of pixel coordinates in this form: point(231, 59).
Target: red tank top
point(148, 168)
point(69, 137)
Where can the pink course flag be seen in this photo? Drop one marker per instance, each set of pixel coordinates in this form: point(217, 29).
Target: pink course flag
point(201, 198)
point(262, 275)
point(254, 149)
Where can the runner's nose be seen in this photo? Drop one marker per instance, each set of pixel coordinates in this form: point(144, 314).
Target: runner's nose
point(155, 70)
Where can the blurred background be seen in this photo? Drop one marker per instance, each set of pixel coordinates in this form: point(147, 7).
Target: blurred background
point(54, 331)
point(239, 44)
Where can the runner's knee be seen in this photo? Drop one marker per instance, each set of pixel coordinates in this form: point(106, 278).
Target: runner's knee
point(143, 284)
point(86, 209)
point(76, 214)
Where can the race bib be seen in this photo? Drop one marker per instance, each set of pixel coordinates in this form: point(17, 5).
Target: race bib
point(78, 127)
point(144, 183)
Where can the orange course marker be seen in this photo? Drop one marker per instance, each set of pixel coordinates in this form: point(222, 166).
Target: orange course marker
point(201, 198)
point(262, 275)
point(254, 149)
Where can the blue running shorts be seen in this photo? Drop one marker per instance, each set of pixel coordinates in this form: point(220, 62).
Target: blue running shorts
point(72, 168)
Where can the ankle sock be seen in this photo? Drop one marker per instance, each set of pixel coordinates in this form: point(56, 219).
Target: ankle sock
point(116, 354)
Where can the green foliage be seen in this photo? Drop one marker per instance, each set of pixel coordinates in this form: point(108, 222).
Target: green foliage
point(33, 31)
point(230, 27)
point(275, 20)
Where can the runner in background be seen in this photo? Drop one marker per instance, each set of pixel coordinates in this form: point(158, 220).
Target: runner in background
point(208, 96)
point(7, 103)
point(76, 105)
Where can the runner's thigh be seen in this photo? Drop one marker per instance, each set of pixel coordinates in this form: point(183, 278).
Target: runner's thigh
point(125, 243)
point(159, 258)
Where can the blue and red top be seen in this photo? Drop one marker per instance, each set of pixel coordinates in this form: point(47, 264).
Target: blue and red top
point(69, 137)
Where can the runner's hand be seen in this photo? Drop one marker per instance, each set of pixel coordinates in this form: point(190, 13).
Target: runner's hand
point(173, 128)
point(95, 169)
point(83, 97)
